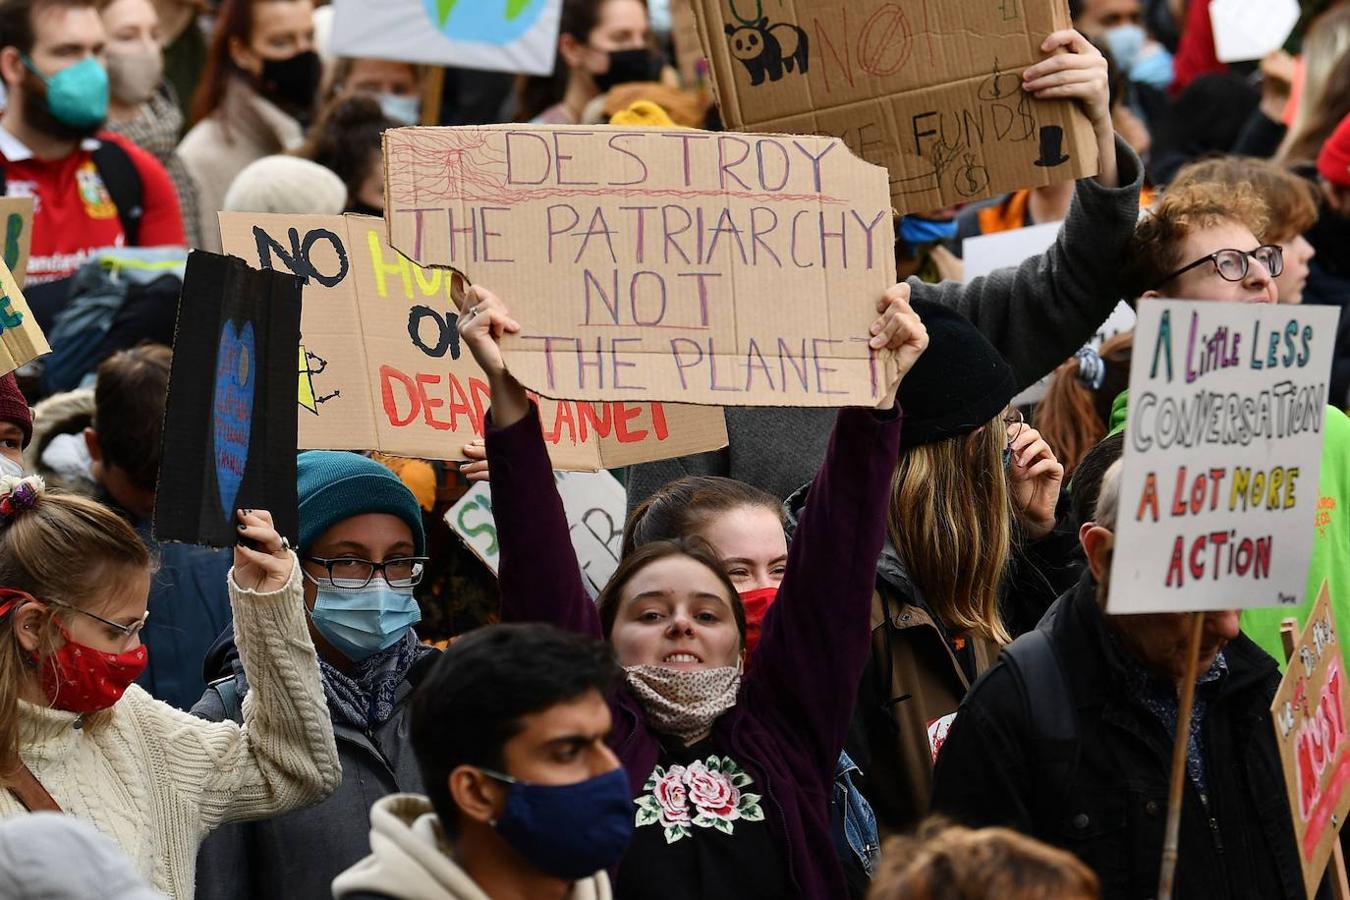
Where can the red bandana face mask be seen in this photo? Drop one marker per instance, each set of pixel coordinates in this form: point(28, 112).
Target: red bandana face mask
point(80, 679)
point(756, 605)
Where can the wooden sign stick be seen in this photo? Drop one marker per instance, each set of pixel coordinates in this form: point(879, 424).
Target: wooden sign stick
point(1340, 884)
point(1175, 793)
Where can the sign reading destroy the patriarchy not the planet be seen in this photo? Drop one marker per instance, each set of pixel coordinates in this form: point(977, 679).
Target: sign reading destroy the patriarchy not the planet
point(498, 35)
point(1223, 449)
point(930, 89)
point(659, 264)
point(1309, 714)
point(381, 366)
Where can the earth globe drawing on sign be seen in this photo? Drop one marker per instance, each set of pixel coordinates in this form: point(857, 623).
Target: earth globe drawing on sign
point(488, 21)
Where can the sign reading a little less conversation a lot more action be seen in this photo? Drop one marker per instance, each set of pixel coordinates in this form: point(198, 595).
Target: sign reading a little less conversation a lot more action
point(660, 264)
point(381, 367)
point(1223, 449)
point(930, 89)
point(1309, 713)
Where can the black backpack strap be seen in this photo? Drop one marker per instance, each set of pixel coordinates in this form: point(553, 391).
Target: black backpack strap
point(1034, 665)
point(123, 182)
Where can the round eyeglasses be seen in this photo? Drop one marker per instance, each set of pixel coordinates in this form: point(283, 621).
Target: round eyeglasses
point(353, 574)
point(1233, 265)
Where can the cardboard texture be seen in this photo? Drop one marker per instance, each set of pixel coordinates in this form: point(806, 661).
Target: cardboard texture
point(229, 424)
point(596, 506)
point(930, 89)
point(660, 264)
point(1223, 450)
point(16, 214)
point(21, 340)
point(1309, 712)
point(689, 58)
point(499, 35)
point(381, 366)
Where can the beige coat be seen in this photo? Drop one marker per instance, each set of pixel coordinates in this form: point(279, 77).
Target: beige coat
point(246, 127)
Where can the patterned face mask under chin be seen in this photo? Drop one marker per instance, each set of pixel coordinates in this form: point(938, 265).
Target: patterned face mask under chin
point(681, 703)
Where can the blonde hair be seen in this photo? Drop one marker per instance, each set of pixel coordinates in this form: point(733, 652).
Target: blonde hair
point(66, 548)
point(1326, 56)
point(951, 521)
point(949, 862)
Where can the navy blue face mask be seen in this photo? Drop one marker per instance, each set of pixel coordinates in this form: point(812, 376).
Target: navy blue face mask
point(570, 831)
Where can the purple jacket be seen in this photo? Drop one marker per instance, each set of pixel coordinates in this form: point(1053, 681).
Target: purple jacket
point(788, 725)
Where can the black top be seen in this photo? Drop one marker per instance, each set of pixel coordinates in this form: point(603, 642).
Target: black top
point(701, 833)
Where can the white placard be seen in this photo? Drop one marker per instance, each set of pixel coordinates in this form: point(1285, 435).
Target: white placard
point(500, 35)
point(1223, 452)
point(1249, 29)
point(986, 252)
point(595, 504)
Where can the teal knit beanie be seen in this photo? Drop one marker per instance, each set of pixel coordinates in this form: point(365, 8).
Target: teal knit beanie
point(333, 485)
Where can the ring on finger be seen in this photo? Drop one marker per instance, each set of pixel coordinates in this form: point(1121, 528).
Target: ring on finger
point(473, 311)
point(285, 544)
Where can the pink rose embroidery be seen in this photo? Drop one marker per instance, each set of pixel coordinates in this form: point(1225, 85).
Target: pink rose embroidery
point(712, 792)
point(672, 797)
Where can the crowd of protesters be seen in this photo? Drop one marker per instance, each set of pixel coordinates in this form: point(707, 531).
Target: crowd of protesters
point(856, 653)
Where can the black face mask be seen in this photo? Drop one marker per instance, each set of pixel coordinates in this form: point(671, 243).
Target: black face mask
point(627, 66)
point(292, 82)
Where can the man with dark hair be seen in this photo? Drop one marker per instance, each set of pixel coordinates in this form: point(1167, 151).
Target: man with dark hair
point(189, 605)
point(92, 189)
point(525, 798)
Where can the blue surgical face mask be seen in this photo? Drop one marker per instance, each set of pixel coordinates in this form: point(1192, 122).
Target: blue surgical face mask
point(1125, 42)
point(361, 623)
point(403, 110)
point(1154, 68)
point(916, 230)
point(77, 96)
point(570, 831)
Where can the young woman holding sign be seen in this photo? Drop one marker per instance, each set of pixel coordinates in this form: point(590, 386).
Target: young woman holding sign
point(78, 735)
point(731, 776)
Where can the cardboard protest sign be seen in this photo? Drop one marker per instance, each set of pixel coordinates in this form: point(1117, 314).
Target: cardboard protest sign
point(21, 340)
point(1310, 712)
point(381, 366)
point(689, 58)
point(229, 422)
point(1223, 450)
point(16, 234)
point(499, 35)
point(931, 90)
point(660, 264)
point(595, 503)
point(1249, 29)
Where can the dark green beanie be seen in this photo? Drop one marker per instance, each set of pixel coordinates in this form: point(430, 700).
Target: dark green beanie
point(333, 485)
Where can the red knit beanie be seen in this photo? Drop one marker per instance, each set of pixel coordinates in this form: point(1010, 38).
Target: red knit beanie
point(1333, 163)
point(14, 408)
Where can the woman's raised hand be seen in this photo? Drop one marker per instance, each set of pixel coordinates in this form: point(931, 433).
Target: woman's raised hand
point(1034, 477)
point(899, 328)
point(483, 319)
point(263, 564)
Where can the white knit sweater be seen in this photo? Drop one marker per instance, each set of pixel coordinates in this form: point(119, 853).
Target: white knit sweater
point(156, 779)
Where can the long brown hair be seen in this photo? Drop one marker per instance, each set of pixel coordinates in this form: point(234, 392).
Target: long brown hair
point(951, 521)
point(65, 548)
point(536, 93)
point(695, 548)
point(1073, 416)
point(1326, 87)
point(234, 19)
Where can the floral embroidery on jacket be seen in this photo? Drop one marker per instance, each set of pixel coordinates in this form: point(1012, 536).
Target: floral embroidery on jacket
point(701, 794)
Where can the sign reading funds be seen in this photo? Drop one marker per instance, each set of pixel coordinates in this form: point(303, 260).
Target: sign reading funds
point(1223, 447)
point(930, 89)
point(380, 366)
point(660, 264)
point(1309, 712)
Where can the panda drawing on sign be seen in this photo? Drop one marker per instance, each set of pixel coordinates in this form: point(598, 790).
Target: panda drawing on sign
point(766, 49)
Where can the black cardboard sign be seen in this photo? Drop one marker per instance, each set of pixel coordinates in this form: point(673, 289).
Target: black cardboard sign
point(229, 423)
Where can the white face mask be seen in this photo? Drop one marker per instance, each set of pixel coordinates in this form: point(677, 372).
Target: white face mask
point(10, 467)
point(404, 110)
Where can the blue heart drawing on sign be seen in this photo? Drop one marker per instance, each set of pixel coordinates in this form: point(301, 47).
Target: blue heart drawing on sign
point(232, 412)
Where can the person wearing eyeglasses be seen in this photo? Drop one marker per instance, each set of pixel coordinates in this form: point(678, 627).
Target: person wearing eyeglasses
point(361, 551)
point(972, 502)
point(78, 736)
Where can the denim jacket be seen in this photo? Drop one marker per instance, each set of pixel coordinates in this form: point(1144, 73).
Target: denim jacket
point(856, 839)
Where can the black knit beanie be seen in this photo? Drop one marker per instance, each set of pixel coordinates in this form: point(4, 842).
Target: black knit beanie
point(960, 382)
